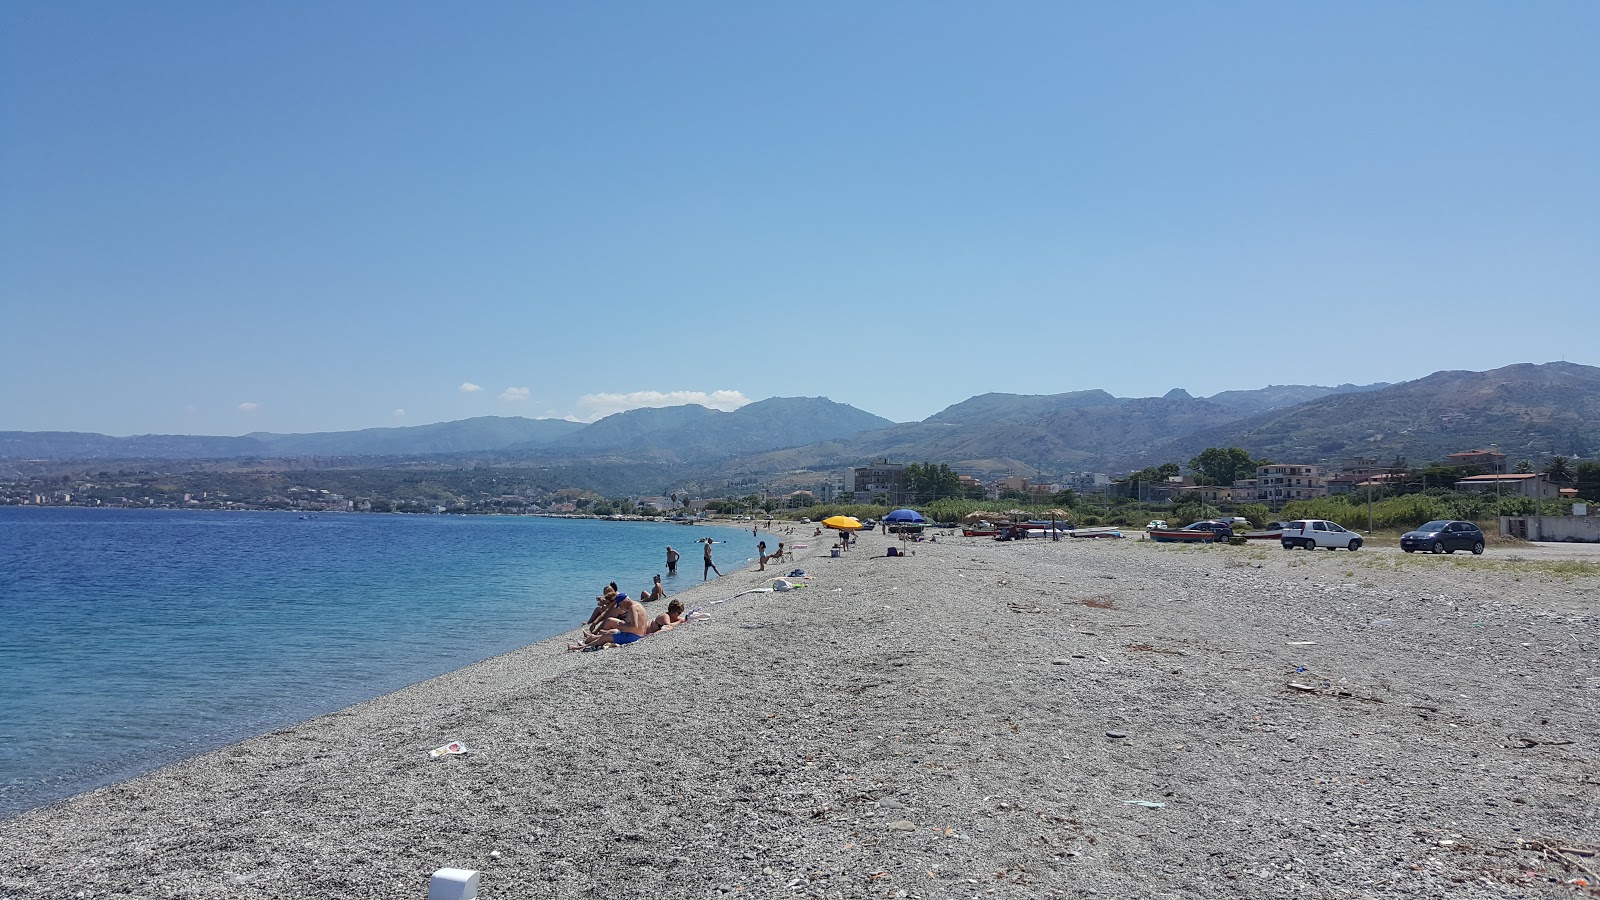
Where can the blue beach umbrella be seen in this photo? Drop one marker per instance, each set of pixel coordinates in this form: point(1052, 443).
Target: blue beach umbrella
point(905, 516)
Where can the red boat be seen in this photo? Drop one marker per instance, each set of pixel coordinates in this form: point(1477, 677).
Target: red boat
point(1183, 536)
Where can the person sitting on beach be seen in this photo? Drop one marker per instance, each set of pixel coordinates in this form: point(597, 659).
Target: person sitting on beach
point(668, 620)
point(603, 607)
point(626, 625)
point(780, 553)
point(654, 592)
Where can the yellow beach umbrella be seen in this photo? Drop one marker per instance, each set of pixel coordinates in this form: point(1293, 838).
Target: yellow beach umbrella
point(843, 523)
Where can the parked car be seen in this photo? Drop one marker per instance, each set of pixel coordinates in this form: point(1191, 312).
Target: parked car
point(1155, 525)
point(1314, 533)
point(1443, 536)
point(1223, 530)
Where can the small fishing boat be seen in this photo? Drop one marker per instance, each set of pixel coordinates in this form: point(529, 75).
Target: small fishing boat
point(1096, 533)
point(980, 529)
point(1182, 536)
point(1263, 535)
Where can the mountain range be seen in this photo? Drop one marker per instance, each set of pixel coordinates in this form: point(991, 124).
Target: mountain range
point(1529, 411)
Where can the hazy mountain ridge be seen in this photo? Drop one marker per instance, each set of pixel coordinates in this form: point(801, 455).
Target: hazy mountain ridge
point(1279, 396)
point(668, 436)
point(1528, 410)
point(695, 433)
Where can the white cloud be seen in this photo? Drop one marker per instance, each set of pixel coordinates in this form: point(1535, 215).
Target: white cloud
point(468, 387)
point(399, 414)
point(598, 406)
point(247, 406)
point(515, 395)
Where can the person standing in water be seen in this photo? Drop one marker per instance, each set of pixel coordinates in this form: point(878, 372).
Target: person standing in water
point(710, 566)
point(672, 561)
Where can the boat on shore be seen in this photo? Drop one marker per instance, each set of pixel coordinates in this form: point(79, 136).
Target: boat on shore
point(1182, 536)
point(1095, 533)
point(980, 529)
point(1263, 535)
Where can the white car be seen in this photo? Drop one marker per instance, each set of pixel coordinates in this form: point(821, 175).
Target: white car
point(1314, 533)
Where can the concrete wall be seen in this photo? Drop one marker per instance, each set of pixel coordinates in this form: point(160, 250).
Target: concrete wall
point(1552, 528)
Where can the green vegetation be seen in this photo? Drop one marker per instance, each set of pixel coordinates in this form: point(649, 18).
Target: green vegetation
point(1216, 465)
point(1410, 510)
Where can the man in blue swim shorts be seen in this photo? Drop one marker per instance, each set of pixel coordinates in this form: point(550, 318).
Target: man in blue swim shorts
point(626, 624)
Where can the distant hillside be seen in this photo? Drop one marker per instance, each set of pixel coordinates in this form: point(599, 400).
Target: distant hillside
point(1053, 433)
point(1280, 396)
point(1529, 411)
point(87, 445)
point(467, 435)
point(461, 436)
point(695, 433)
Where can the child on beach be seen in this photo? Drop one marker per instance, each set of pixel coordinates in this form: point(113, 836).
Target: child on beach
point(761, 554)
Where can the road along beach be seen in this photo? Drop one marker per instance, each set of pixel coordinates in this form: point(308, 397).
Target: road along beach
point(1027, 719)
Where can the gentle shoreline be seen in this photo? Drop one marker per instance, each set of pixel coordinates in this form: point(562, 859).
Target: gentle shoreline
point(943, 725)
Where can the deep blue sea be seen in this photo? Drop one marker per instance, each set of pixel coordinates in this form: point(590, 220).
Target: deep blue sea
point(130, 639)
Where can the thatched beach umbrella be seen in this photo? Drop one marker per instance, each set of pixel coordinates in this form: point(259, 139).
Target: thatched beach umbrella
point(1018, 515)
point(1053, 514)
point(978, 515)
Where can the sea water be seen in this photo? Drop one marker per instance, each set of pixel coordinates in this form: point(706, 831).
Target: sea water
point(130, 639)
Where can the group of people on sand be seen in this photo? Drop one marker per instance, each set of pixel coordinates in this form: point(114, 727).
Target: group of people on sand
point(620, 619)
point(765, 557)
point(705, 573)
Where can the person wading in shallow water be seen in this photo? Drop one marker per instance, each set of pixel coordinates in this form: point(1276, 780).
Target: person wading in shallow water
point(710, 566)
point(672, 561)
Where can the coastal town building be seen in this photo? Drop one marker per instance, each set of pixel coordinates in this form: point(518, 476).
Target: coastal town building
point(1513, 485)
point(1492, 462)
point(881, 477)
point(1280, 483)
point(1087, 482)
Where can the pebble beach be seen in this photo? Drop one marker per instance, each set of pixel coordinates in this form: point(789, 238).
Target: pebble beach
point(1112, 718)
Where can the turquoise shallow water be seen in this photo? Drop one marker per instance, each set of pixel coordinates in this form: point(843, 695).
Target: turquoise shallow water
point(130, 639)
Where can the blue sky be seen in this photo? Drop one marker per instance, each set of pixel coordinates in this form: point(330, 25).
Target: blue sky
point(221, 218)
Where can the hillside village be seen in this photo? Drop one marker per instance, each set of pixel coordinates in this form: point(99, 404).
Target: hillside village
point(1271, 485)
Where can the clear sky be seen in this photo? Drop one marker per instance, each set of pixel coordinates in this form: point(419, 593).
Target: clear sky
point(226, 217)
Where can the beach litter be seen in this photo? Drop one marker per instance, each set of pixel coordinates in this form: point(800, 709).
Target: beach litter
point(1147, 804)
point(454, 748)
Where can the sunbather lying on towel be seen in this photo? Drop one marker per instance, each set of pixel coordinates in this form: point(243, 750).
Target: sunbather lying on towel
point(668, 620)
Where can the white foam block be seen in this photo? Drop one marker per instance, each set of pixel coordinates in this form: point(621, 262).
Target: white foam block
point(453, 884)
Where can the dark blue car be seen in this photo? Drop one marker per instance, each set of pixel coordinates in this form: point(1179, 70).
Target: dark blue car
point(1443, 536)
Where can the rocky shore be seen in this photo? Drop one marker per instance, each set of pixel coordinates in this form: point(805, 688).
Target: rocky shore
point(980, 719)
